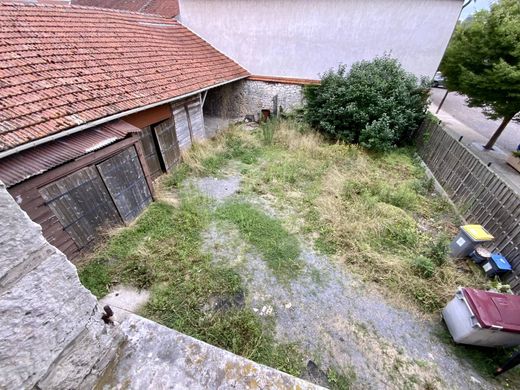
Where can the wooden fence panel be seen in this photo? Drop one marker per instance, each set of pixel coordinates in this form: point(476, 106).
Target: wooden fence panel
point(481, 196)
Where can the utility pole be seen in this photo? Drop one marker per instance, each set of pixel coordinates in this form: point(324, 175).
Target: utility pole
point(442, 101)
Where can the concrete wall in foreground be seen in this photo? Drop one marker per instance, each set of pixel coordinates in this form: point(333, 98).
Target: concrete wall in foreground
point(249, 97)
point(51, 332)
point(303, 38)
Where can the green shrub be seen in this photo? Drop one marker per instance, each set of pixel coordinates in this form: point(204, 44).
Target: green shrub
point(423, 266)
point(376, 103)
point(378, 135)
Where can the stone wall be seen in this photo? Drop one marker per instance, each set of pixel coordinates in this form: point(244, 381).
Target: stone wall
point(249, 97)
point(51, 332)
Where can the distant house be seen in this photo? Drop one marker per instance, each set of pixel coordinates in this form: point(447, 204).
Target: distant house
point(95, 104)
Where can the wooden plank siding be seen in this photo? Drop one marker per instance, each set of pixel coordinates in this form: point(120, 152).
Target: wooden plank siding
point(182, 127)
point(194, 109)
point(481, 196)
point(189, 121)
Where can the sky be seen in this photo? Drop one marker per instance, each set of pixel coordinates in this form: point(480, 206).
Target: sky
point(475, 6)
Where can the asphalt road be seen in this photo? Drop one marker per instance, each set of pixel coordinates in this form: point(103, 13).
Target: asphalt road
point(455, 105)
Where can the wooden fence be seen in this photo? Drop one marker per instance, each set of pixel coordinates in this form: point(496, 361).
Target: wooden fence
point(480, 195)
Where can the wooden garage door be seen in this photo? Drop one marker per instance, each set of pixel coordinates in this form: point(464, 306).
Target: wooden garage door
point(82, 204)
point(126, 183)
point(195, 116)
point(167, 140)
point(182, 127)
point(150, 153)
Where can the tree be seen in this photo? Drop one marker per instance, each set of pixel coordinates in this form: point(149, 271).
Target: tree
point(483, 63)
point(377, 103)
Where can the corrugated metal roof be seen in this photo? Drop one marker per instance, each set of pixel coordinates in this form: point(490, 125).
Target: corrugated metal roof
point(21, 166)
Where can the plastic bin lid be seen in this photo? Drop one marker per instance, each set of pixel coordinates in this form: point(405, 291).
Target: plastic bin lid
point(477, 232)
point(501, 262)
point(495, 309)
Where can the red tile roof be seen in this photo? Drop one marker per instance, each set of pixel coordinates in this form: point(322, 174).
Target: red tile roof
point(31, 162)
point(166, 8)
point(64, 66)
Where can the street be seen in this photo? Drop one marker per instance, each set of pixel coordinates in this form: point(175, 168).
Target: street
point(455, 105)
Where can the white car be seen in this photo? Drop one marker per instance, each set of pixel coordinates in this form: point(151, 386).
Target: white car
point(438, 80)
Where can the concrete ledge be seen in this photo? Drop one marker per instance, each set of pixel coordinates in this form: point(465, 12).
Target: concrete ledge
point(156, 357)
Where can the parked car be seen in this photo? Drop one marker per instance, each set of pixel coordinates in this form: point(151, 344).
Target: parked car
point(438, 80)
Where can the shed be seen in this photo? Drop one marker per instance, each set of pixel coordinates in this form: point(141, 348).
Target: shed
point(96, 104)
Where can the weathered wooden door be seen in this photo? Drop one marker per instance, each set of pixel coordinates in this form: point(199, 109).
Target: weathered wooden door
point(82, 204)
point(196, 120)
point(167, 140)
point(182, 126)
point(126, 183)
point(151, 155)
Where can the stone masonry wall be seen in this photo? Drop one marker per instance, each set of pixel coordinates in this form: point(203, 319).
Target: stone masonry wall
point(249, 97)
point(51, 332)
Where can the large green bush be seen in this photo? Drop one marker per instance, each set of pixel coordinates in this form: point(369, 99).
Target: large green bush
point(377, 103)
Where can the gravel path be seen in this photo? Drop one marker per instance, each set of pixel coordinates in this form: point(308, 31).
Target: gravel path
point(336, 319)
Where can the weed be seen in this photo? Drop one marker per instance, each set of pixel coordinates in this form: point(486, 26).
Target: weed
point(278, 248)
point(439, 250)
point(96, 278)
point(339, 381)
point(177, 176)
point(423, 266)
point(268, 129)
point(138, 272)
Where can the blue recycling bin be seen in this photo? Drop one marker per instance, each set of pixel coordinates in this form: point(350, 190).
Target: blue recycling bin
point(496, 265)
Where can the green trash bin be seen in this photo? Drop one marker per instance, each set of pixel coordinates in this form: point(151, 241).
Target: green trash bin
point(469, 236)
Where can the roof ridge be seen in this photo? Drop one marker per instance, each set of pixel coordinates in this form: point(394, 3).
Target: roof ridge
point(25, 3)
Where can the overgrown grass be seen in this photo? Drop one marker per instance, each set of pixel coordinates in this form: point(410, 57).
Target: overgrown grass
point(376, 212)
point(162, 251)
point(278, 248)
point(339, 381)
point(209, 157)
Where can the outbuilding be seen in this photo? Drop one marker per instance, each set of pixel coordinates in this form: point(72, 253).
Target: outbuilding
point(95, 105)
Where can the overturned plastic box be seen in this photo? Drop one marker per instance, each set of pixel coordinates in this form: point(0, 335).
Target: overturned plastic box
point(469, 236)
point(483, 318)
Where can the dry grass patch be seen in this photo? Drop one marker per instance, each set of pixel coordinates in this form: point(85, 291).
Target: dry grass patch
point(373, 206)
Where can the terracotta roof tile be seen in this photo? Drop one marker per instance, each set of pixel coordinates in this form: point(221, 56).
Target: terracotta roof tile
point(166, 8)
point(63, 66)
